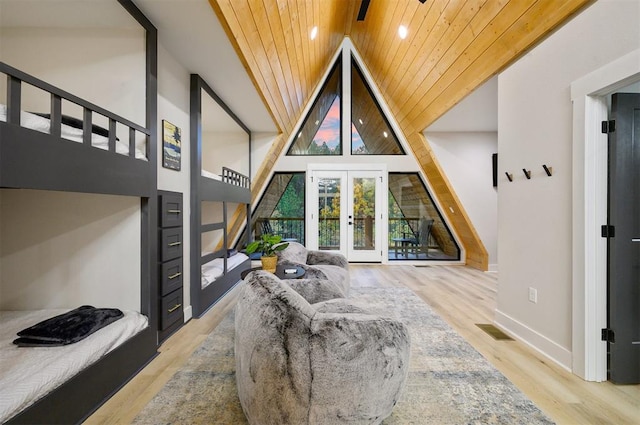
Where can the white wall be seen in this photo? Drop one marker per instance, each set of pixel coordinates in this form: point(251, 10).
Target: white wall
point(95, 63)
point(105, 66)
point(225, 149)
point(173, 106)
point(222, 148)
point(62, 250)
point(535, 128)
point(260, 145)
point(466, 158)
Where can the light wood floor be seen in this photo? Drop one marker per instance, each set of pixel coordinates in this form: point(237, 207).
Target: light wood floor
point(463, 297)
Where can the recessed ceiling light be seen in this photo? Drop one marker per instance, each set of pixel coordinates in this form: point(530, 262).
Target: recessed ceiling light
point(403, 31)
point(384, 133)
point(314, 33)
point(360, 121)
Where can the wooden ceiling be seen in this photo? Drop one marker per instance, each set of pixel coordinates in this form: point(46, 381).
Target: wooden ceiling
point(452, 47)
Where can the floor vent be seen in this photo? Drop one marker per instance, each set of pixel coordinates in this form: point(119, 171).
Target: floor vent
point(494, 332)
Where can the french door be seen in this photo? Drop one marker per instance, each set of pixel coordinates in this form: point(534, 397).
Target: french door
point(345, 213)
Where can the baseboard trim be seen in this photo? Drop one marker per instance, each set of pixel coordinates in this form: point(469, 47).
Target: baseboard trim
point(543, 345)
point(188, 313)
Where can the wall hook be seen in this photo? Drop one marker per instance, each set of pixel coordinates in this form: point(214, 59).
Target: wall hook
point(548, 170)
point(509, 176)
point(527, 173)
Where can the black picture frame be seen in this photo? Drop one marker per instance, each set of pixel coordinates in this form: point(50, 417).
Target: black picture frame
point(171, 146)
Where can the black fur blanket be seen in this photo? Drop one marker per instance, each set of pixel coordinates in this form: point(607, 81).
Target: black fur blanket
point(67, 328)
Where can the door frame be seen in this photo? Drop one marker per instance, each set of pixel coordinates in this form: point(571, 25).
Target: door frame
point(589, 263)
point(383, 203)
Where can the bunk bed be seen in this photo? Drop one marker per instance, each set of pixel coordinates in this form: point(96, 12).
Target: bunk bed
point(219, 270)
point(50, 153)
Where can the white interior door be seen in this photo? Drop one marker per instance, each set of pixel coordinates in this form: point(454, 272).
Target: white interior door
point(345, 213)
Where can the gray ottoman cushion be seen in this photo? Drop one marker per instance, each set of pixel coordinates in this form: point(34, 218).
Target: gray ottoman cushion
point(318, 264)
point(294, 253)
point(316, 290)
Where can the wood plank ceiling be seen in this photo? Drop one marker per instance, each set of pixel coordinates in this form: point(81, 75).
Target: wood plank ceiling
point(452, 47)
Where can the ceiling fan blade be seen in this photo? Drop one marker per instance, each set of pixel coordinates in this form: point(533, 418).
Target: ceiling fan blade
point(364, 5)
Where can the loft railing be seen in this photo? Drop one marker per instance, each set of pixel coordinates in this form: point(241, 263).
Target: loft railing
point(15, 78)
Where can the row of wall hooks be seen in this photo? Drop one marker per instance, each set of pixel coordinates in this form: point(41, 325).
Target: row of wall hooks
point(527, 173)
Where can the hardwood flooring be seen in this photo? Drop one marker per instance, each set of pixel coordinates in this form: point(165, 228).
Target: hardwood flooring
point(463, 297)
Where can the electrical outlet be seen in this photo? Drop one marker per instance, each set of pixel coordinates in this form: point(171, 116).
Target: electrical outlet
point(533, 295)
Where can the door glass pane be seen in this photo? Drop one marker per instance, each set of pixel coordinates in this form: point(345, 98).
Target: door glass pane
point(364, 209)
point(329, 213)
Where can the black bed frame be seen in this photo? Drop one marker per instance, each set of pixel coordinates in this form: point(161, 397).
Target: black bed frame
point(33, 160)
point(234, 188)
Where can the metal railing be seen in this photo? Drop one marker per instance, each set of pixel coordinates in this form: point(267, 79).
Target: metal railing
point(329, 230)
point(286, 227)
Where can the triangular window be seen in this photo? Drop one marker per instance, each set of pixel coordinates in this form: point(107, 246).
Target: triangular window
point(371, 133)
point(281, 209)
point(320, 133)
point(417, 230)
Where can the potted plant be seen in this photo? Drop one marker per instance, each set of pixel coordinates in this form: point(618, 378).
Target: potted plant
point(268, 245)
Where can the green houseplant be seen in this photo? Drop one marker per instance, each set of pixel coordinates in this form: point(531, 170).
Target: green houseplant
point(268, 245)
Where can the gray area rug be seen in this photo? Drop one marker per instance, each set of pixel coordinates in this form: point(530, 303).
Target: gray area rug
point(449, 381)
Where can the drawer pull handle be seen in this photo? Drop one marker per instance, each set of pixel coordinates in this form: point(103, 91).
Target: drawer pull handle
point(174, 308)
point(173, 276)
point(174, 211)
point(175, 243)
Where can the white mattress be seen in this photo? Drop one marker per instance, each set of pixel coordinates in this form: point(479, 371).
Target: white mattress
point(43, 125)
point(211, 175)
point(27, 374)
point(215, 268)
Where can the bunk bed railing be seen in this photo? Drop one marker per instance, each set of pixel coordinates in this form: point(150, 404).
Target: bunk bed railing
point(15, 78)
point(235, 178)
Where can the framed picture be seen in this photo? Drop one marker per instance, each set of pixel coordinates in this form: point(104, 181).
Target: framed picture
point(171, 145)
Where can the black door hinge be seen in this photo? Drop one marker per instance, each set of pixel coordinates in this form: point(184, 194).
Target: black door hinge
point(608, 126)
point(608, 231)
point(608, 335)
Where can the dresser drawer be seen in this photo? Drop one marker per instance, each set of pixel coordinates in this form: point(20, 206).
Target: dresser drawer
point(170, 243)
point(170, 276)
point(171, 211)
point(171, 309)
